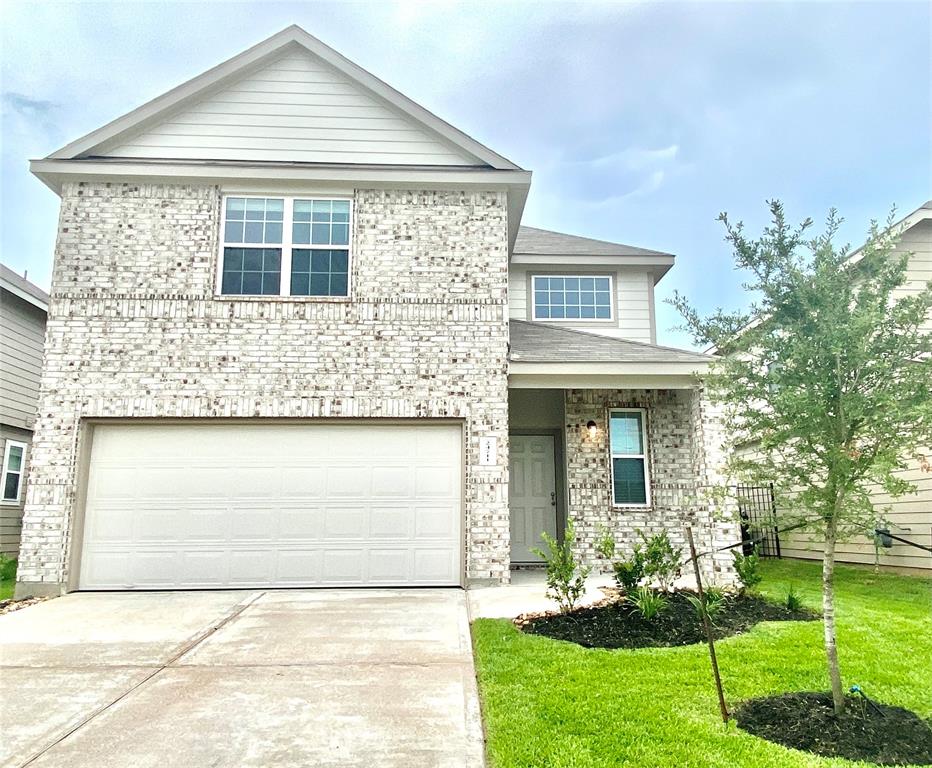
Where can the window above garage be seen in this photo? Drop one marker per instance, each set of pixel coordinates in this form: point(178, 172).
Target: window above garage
point(285, 246)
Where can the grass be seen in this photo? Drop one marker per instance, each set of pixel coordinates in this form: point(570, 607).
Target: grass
point(548, 703)
point(7, 577)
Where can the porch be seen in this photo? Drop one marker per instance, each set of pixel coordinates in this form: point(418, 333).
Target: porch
point(616, 436)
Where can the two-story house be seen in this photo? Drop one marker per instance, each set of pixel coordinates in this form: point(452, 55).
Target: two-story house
point(298, 337)
point(23, 308)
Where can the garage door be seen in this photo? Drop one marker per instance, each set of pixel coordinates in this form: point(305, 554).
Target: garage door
point(272, 505)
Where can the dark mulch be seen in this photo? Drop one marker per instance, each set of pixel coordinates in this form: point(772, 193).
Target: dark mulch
point(885, 735)
point(619, 625)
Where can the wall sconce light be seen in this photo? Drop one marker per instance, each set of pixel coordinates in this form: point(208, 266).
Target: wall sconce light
point(593, 430)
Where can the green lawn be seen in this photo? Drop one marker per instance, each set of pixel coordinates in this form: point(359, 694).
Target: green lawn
point(550, 703)
point(7, 577)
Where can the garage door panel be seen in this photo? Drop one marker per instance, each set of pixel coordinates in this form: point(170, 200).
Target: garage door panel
point(260, 505)
point(390, 522)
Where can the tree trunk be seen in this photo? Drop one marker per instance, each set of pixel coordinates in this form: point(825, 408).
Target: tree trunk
point(828, 613)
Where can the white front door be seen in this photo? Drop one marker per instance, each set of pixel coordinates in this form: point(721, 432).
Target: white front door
point(532, 496)
point(266, 504)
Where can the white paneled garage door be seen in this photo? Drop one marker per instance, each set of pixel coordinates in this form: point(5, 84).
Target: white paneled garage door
point(272, 505)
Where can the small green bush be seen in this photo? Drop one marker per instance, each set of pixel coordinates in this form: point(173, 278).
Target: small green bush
point(715, 601)
point(793, 601)
point(748, 568)
point(605, 546)
point(648, 603)
point(7, 568)
point(566, 579)
point(662, 561)
point(628, 573)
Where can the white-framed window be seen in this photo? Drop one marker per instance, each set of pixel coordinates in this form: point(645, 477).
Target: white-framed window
point(572, 297)
point(14, 461)
point(627, 434)
point(285, 246)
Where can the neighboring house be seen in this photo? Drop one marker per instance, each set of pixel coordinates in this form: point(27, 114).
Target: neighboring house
point(909, 516)
point(298, 338)
point(23, 309)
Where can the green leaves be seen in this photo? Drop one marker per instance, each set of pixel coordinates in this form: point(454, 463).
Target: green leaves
point(828, 379)
point(566, 579)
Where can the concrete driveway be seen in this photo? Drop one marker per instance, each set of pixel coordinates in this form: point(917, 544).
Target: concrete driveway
point(278, 678)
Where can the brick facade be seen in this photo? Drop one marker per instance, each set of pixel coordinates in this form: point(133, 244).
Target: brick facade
point(135, 330)
point(685, 456)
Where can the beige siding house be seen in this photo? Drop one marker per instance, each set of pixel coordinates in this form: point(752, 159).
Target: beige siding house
point(299, 337)
point(23, 309)
point(909, 516)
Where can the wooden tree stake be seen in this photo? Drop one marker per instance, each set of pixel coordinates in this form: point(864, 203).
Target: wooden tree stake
point(707, 626)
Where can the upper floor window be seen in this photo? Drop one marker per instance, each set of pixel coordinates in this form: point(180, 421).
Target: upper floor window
point(285, 246)
point(572, 297)
point(628, 446)
point(14, 456)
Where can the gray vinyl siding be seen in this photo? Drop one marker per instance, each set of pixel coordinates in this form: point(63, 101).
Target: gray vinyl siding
point(22, 335)
point(11, 515)
point(296, 109)
point(633, 301)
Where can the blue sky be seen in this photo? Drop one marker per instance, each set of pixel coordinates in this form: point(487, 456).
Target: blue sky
point(641, 122)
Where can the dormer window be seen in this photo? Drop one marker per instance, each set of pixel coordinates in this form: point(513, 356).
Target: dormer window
point(285, 246)
point(572, 297)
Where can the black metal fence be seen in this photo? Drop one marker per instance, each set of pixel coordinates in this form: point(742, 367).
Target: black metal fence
point(758, 512)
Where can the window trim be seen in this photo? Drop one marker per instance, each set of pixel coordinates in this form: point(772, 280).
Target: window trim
point(6, 470)
point(613, 299)
point(645, 456)
point(286, 246)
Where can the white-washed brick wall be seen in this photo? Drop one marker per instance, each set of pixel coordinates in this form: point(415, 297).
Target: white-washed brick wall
point(135, 331)
point(684, 454)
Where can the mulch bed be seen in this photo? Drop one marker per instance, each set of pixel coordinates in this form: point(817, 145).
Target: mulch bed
point(8, 606)
point(885, 735)
point(617, 624)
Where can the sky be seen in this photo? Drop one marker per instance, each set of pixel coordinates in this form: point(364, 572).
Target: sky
point(640, 121)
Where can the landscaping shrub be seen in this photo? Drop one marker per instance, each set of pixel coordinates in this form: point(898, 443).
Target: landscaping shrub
point(648, 603)
point(605, 547)
point(566, 579)
point(715, 600)
point(628, 573)
point(661, 560)
point(748, 568)
point(793, 602)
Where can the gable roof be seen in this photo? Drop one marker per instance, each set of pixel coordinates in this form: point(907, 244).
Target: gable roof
point(540, 343)
point(21, 287)
point(909, 221)
point(544, 242)
point(95, 143)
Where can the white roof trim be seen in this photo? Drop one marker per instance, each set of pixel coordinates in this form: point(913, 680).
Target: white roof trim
point(6, 285)
point(176, 98)
point(581, 380)
point(577, 368)
point(904, 224)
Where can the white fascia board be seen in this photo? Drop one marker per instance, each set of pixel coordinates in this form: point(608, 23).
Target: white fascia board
point(601, 381)
point(24, 295)
point(657, 265)
point(608, 369)
point(53, 172)
point(151, 112)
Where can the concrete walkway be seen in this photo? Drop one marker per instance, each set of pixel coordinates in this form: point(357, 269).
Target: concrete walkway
point(278, 678)
point(527, 593)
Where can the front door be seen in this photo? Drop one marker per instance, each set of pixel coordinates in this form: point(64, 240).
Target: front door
point(532, 495)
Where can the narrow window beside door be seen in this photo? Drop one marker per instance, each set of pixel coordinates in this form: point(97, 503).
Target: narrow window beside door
point(13, 459)
point(630, 483)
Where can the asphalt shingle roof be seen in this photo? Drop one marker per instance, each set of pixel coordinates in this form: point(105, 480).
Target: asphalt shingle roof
point(540, 343)
point(543, 242)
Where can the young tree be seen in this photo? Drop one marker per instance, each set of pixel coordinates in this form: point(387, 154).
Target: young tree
point(826, 374)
